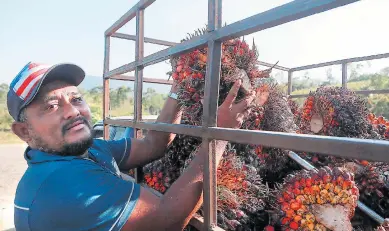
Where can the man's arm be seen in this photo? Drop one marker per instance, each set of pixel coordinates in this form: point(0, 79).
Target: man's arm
point(176, 207)
point(153, 146)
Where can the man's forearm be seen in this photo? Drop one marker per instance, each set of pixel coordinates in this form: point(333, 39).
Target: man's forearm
point(170, 113)
point(184, 197)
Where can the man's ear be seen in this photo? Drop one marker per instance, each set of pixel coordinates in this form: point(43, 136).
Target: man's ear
point(21, 130)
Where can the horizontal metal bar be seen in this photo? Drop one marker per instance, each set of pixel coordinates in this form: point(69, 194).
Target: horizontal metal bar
point(279, 15)
point(145, 80)
point(274, 66)
point(271, 18)
point(337, 62)
point(162, 127)
point(360, 92)
point(197, 221)
point(146, 40)
point(373, 150)
point(142, 4)
point(305, 164)
point(368, 92)
point(162, 55)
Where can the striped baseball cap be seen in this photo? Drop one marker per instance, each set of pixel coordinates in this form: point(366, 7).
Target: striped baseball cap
point(32, 77)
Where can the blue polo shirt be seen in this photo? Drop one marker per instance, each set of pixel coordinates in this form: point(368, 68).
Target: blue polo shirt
point(59, 193)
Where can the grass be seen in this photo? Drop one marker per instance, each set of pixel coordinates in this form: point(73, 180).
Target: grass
point(9, 138)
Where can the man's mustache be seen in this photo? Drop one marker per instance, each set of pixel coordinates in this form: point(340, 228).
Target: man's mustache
point(69, 123)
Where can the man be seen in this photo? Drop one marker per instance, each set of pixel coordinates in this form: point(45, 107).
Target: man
point(73, 181)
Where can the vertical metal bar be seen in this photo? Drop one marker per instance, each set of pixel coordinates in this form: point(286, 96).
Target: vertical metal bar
point(344, 75)
point(290, 74)
point(210, 114)
point(106, 87)
point(139, 53)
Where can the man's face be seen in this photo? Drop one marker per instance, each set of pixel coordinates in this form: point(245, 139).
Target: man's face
point(58, 120)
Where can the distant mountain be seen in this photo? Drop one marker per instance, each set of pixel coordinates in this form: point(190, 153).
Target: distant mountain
point(95, 81)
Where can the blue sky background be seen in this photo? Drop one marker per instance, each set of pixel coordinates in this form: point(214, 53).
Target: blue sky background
point(73, 31)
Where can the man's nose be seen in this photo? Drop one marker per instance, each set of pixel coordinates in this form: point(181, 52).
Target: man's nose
point(70, 111)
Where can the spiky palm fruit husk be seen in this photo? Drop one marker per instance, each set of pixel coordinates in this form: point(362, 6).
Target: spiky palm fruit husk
point(276, 115)
point(294, 107)
point(316, 200)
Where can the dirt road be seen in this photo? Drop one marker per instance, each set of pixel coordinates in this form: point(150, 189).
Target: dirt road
point(12, 167)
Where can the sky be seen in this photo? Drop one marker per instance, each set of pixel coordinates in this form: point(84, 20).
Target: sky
point(73, 31)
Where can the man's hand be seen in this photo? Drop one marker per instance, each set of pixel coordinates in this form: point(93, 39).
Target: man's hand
point(231, 114)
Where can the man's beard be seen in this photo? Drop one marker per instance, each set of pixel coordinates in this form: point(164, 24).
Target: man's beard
point(68, 149)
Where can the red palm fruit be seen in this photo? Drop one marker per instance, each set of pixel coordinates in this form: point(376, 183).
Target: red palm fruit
point(175, 76)
point(295, 205)
point(285, 220)
point(179, 68)
point(269, 228)
point(155, 179)
point(294, 225)
point(285, 206)
point(160, 175)
point(162, 189)
point(296, 191)
point(308, 182)
point(290, 213)
point(297, 184)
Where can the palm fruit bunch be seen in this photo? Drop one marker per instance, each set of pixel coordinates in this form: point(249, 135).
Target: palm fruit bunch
point(316, 200)
point(373, 184)
point(241, 194)
point(188, 70)
point(335, 111)
point(381, 124)
point(276, 115)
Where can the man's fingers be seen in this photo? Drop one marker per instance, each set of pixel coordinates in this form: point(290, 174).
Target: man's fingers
point(233, 93)
point(243, 116)
point(242, 105)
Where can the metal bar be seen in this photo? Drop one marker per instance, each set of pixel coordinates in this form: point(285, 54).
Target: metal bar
point(106, 87)
point(273, 66)
point(337, 62)
point(271, 18)
point(290, 75)
point(368, 92)
point(142, 4)
point(211, 96)
point(139, 52)
point(279, 15)
point(344, 75)
point(370, 212)
point(162, 127)
point(360, 92)
point(162, 55)
point(305, 164)
point(145, 80)
point(147, 40)
point(373, 150)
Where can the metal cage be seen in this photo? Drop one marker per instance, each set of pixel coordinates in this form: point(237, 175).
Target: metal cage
point(374, 150)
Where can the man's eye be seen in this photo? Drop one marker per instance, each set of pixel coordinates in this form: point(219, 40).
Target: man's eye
point(77, 99)
point(52, 106)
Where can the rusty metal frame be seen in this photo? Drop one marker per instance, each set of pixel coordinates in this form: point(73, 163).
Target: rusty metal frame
point(345, 147)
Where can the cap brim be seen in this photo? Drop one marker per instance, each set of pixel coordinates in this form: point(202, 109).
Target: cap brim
point(66, 72)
